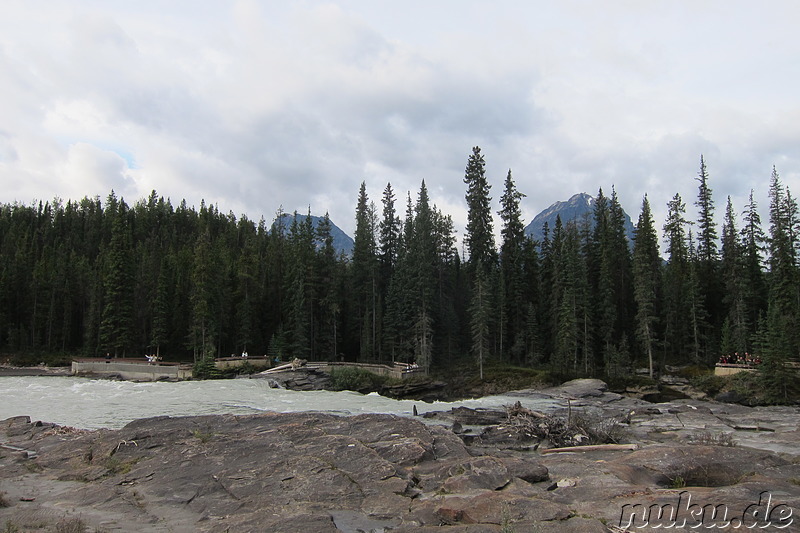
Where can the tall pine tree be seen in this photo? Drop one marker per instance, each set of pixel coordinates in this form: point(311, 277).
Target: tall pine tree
point(117, 317)
point(646, 282)
point(512, 328)
point(710, 287)
point(364, 275)
point(479, 231)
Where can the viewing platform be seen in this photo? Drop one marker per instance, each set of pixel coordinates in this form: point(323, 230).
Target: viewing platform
point(131, 369)
point(140, 369)
point(729, 369)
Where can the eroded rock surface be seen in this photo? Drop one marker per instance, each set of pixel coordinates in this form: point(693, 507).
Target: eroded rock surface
point(371, 473)
point(271, 472)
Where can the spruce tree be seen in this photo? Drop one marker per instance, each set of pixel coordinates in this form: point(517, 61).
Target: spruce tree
point(532, 290)
point(301, 280)
point(447, 268)
point(698, 317)
point(548, 277)
point(161, 310)
point(389, 234)
point(571, 335)
point(423, 260)
point(325, 289)
point(610, 276)
point(482, 254)
point(203, 329)
point(783, 287)
point(646, 280)
point(676, 275)
point(512, 271)
point(117, 314)
point(600, 275)
point(707, 228)
point(753, 242)
point(400, 296)
point(566, 335)
point(736, 330)
point(246, 292)
point(364, 275)
point(710, 287)
point(622, 274)
point(479, 320)
point(479, 232)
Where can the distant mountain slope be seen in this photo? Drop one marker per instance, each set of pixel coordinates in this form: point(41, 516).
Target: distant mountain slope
point(342, 242)
point(576, 208)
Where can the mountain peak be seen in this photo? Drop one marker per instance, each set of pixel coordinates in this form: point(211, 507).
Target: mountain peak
point(579, 206)
point(342, 242)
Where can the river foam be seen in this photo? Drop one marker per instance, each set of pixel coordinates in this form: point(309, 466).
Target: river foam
point(95, 403)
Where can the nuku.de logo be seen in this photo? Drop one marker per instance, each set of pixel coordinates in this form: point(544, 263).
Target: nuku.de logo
point(756, 516)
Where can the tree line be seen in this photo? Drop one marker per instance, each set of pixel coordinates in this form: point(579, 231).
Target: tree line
point(90, 277)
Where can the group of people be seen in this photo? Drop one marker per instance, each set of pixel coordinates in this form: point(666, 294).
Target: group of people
point(738, 359)
point(153, 359)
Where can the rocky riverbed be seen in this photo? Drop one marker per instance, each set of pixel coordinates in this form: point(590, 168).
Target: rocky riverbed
point(462, 471)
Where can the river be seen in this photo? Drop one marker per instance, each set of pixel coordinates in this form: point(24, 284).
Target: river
point(96, 403)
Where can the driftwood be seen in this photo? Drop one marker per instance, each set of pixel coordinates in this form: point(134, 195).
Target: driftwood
point(590, 448)
point(278, 368)
point(524, 426)
point(294, 365)
point(518, 410)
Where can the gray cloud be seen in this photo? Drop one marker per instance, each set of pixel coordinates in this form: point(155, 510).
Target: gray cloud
point(261, 105)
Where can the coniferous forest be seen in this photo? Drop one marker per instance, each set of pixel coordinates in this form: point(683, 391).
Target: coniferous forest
point(92, 277)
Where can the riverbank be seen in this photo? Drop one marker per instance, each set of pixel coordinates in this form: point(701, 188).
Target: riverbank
point(461, 470)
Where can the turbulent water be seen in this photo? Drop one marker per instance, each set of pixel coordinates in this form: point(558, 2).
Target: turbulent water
point(95, 403)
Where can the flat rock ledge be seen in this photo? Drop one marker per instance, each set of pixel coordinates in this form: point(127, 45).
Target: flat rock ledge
point(317, 472)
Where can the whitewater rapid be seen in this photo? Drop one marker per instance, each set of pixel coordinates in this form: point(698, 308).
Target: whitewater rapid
point(96, 403)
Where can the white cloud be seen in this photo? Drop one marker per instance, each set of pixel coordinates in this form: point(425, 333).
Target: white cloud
point(89, 168)
point(253, 105)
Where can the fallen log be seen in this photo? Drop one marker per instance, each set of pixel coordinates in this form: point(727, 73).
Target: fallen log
point(277, 368)
point(590, 448)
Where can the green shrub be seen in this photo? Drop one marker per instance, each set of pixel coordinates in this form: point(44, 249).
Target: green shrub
point(622, 382)
point(508, 377)
point(35, 358)
point(694, 371)
point(355, 379)
point(117, 466)
point(202, 436)
point(708, 383)
point(206, 369)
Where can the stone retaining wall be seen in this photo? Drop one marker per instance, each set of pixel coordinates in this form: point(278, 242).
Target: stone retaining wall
point(131, 370)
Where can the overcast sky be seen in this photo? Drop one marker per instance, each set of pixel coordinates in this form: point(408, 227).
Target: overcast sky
point(254, 105)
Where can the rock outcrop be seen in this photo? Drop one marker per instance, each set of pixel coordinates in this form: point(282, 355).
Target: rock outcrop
point(271, 472)
point(320, 472)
